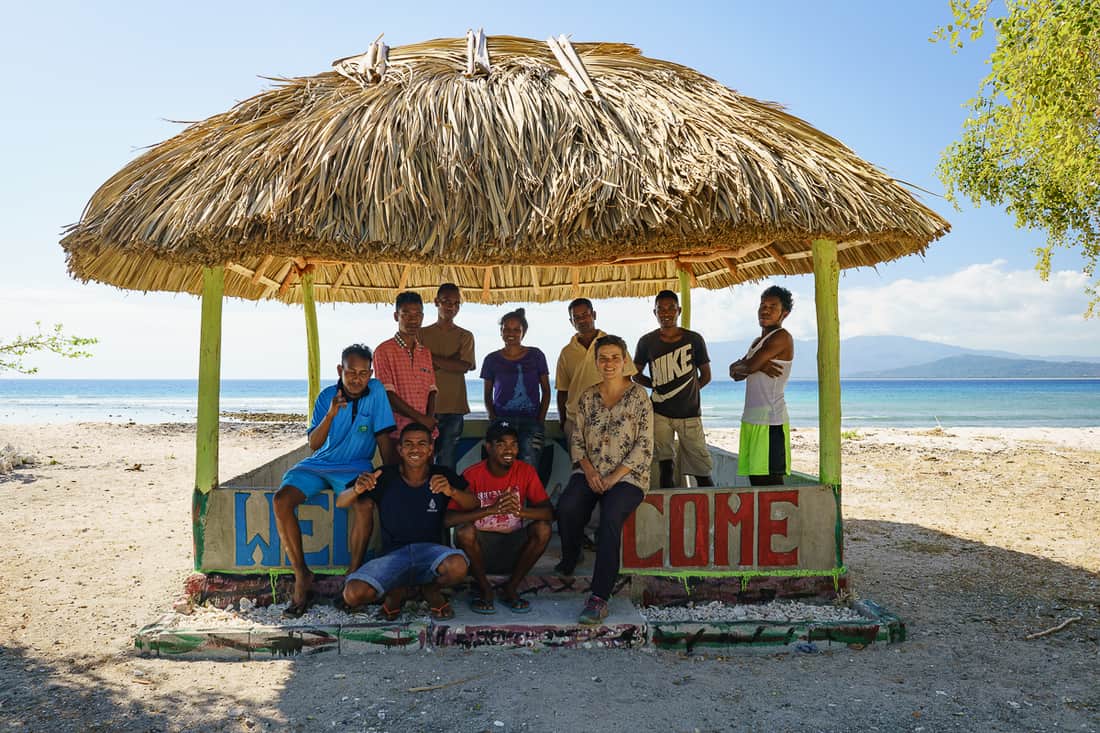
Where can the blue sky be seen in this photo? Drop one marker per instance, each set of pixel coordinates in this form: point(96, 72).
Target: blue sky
point(89, 85)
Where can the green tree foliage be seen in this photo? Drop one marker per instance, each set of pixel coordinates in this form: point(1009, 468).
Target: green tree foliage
point(1032, 139)
point(12, 353)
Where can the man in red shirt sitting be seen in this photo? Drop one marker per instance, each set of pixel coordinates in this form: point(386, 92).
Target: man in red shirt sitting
point(510, 530)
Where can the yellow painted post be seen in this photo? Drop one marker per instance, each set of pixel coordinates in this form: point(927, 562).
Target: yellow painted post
point(826, 282)
point(210, 364)
point(685, 300)
point(313, 347)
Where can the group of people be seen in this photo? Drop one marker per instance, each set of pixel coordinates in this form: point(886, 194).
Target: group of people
point(412, 412)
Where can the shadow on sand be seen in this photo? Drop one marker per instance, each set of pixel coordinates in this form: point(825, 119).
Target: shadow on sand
point(966, 666)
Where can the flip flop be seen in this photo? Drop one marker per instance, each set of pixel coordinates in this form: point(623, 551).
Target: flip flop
point(442, 613)
point(389, 614)
point(480, 605)
point(517, 604)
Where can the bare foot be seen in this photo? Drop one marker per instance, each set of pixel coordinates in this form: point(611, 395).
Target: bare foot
point(302, 583)
point(392, 603)
point(433, 595)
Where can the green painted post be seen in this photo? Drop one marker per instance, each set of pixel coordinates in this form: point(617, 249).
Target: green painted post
point(210, 363)
point(685, 300)
point(313, 347)
point(206, 428)
point(826, 281)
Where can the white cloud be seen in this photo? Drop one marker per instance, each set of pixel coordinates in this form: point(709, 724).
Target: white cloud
point(983, 306)
point(156, 335)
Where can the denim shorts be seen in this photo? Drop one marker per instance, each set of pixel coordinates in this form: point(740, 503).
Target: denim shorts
point(310, 481)
point(410, 565)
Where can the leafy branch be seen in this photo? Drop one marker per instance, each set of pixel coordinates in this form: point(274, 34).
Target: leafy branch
point(1031, 141)
point(13, 353)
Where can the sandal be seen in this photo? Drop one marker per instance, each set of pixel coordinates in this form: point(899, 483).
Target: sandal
point(517, 604)
point(479, 604)
point(443, 612)
point(390, 614)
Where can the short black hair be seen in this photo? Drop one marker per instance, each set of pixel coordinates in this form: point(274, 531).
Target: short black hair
point(414, 427)
point(610, 340)
point(448, 288)
point(361, 350)
point(667, 295)
point(519, 314)
point(406, 298)
point(499, 429)
point(786, 300)
point(578, 302)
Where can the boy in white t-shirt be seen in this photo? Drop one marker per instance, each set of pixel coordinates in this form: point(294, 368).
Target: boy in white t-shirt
point(765, 445)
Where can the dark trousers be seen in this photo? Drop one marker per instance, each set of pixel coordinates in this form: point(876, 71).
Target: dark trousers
point(575, 507)
point(450, 430)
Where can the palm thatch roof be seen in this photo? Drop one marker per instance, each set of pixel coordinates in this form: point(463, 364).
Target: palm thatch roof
point(522, 170)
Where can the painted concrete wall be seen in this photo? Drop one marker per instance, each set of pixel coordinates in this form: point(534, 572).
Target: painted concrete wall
point(737, 528)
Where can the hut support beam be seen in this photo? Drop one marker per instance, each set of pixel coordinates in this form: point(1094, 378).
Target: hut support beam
point(486, 282)
point(826, 281)
point(210, 358)
point(313, 347)
point(685, 299)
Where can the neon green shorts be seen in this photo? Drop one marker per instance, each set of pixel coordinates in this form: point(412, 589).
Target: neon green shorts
point(765, 450)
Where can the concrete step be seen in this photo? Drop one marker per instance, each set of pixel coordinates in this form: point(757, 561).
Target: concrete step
point(552, 622)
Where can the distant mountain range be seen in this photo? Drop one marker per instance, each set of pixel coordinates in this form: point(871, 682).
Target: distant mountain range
point(900, 357)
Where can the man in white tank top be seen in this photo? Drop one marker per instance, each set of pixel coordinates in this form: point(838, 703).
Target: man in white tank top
point(765, 445)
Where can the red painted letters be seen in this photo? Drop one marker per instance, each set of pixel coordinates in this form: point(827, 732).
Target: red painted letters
point(701, 546)
point(630, 540)
point(772, 527)
point(752, 519)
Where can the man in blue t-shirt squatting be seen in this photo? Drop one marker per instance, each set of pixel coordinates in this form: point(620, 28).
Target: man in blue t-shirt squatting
point(350, 419)
point(412, 499)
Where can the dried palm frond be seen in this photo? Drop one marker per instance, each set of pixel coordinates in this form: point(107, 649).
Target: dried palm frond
point(512, 182)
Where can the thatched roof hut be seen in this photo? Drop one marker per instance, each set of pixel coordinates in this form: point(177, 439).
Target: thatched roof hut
point(522, 170)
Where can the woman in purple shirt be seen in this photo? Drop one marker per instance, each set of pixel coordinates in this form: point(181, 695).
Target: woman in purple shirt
point(517, 385)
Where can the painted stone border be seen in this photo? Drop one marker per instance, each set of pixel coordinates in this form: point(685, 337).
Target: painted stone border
point(690, 637)
point(541, 636)
point(275, 642)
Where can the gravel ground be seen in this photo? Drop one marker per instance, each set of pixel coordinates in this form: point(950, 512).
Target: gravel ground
point(975, 538)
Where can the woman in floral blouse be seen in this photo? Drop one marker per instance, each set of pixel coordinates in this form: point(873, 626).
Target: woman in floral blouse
point(612, 449)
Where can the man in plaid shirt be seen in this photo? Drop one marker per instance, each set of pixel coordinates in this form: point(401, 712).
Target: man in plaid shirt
point(404, 367)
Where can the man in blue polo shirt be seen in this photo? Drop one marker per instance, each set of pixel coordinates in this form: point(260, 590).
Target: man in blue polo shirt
point(350, 419)
point(412, 499)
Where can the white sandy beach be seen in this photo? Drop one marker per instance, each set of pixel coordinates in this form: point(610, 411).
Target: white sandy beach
point(975, 537)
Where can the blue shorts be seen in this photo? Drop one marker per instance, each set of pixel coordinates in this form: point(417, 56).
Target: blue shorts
point(410, 565)
point(310, 481)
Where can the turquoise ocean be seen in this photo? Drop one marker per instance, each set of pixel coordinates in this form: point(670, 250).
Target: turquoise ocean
point(920, 403)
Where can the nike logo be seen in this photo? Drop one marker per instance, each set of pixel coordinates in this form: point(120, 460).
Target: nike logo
point(669, 395)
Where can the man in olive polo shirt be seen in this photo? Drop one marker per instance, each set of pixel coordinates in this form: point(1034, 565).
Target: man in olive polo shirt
point(577, 363)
